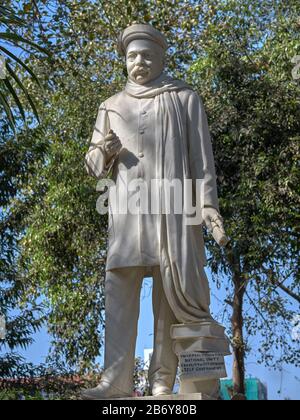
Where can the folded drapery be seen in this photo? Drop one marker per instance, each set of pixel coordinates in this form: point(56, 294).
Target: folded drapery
point(185, 281)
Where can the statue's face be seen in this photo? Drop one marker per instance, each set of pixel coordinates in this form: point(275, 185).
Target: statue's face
point(144, 60)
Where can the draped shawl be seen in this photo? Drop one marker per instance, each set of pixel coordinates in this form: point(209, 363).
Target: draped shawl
point(181, 264)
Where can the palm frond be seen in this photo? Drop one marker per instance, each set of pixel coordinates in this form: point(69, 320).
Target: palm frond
point(10, 23)
point(23, 88)
point(8, 16)
point(8, 112)
point(21, 62)
point(18, 40)
point(12, 91)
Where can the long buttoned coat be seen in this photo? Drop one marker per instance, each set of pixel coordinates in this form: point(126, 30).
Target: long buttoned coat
point(161, 131)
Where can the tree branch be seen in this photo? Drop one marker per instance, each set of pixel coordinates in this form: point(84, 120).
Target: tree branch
point(288, 291)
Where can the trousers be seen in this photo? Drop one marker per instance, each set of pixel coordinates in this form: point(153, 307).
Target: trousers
point(122, 308)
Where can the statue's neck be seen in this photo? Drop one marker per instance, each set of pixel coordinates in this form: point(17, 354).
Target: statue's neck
point(152, 83)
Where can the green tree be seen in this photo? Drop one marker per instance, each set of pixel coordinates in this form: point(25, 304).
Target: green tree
point(13, 93)
point(23, 318)
point(244, 75)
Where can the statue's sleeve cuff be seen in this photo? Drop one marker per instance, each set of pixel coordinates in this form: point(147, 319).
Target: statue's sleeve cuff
point(96, 162)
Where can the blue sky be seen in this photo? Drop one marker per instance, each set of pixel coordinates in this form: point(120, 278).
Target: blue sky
point(280, 384)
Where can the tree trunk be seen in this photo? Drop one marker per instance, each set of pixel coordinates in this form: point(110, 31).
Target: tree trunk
point(237, 320)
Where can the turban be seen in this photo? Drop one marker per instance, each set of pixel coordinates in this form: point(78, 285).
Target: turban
point(140, 31)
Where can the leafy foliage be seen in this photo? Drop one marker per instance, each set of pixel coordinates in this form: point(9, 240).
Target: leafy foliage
point(245, 76)
point(23, 317)
point(13, 92)
point(239, 58)
point(45, 382)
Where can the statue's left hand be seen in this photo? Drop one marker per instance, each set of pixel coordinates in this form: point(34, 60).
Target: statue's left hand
point(214, 223)
point(212, 218)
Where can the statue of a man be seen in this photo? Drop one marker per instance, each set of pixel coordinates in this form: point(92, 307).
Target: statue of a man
point(156, 128)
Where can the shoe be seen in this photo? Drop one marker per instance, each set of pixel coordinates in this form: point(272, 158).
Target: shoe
point(160, 389)
point(103, 391)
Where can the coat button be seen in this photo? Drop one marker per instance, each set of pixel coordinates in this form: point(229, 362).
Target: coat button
point(141, 154)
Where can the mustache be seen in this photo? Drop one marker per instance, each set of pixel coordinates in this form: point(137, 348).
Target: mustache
point(140, 69)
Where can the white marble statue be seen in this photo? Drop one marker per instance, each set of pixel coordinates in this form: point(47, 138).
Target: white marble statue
point(156, 128)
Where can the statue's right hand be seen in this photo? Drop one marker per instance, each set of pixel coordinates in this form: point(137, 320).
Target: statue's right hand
point(112, 144)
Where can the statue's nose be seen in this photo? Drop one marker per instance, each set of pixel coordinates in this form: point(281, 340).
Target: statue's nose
point(139, 58)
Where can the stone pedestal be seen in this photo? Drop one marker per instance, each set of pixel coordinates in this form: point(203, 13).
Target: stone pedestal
point(200, 348)
point(173, 397)
point(202, 365)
